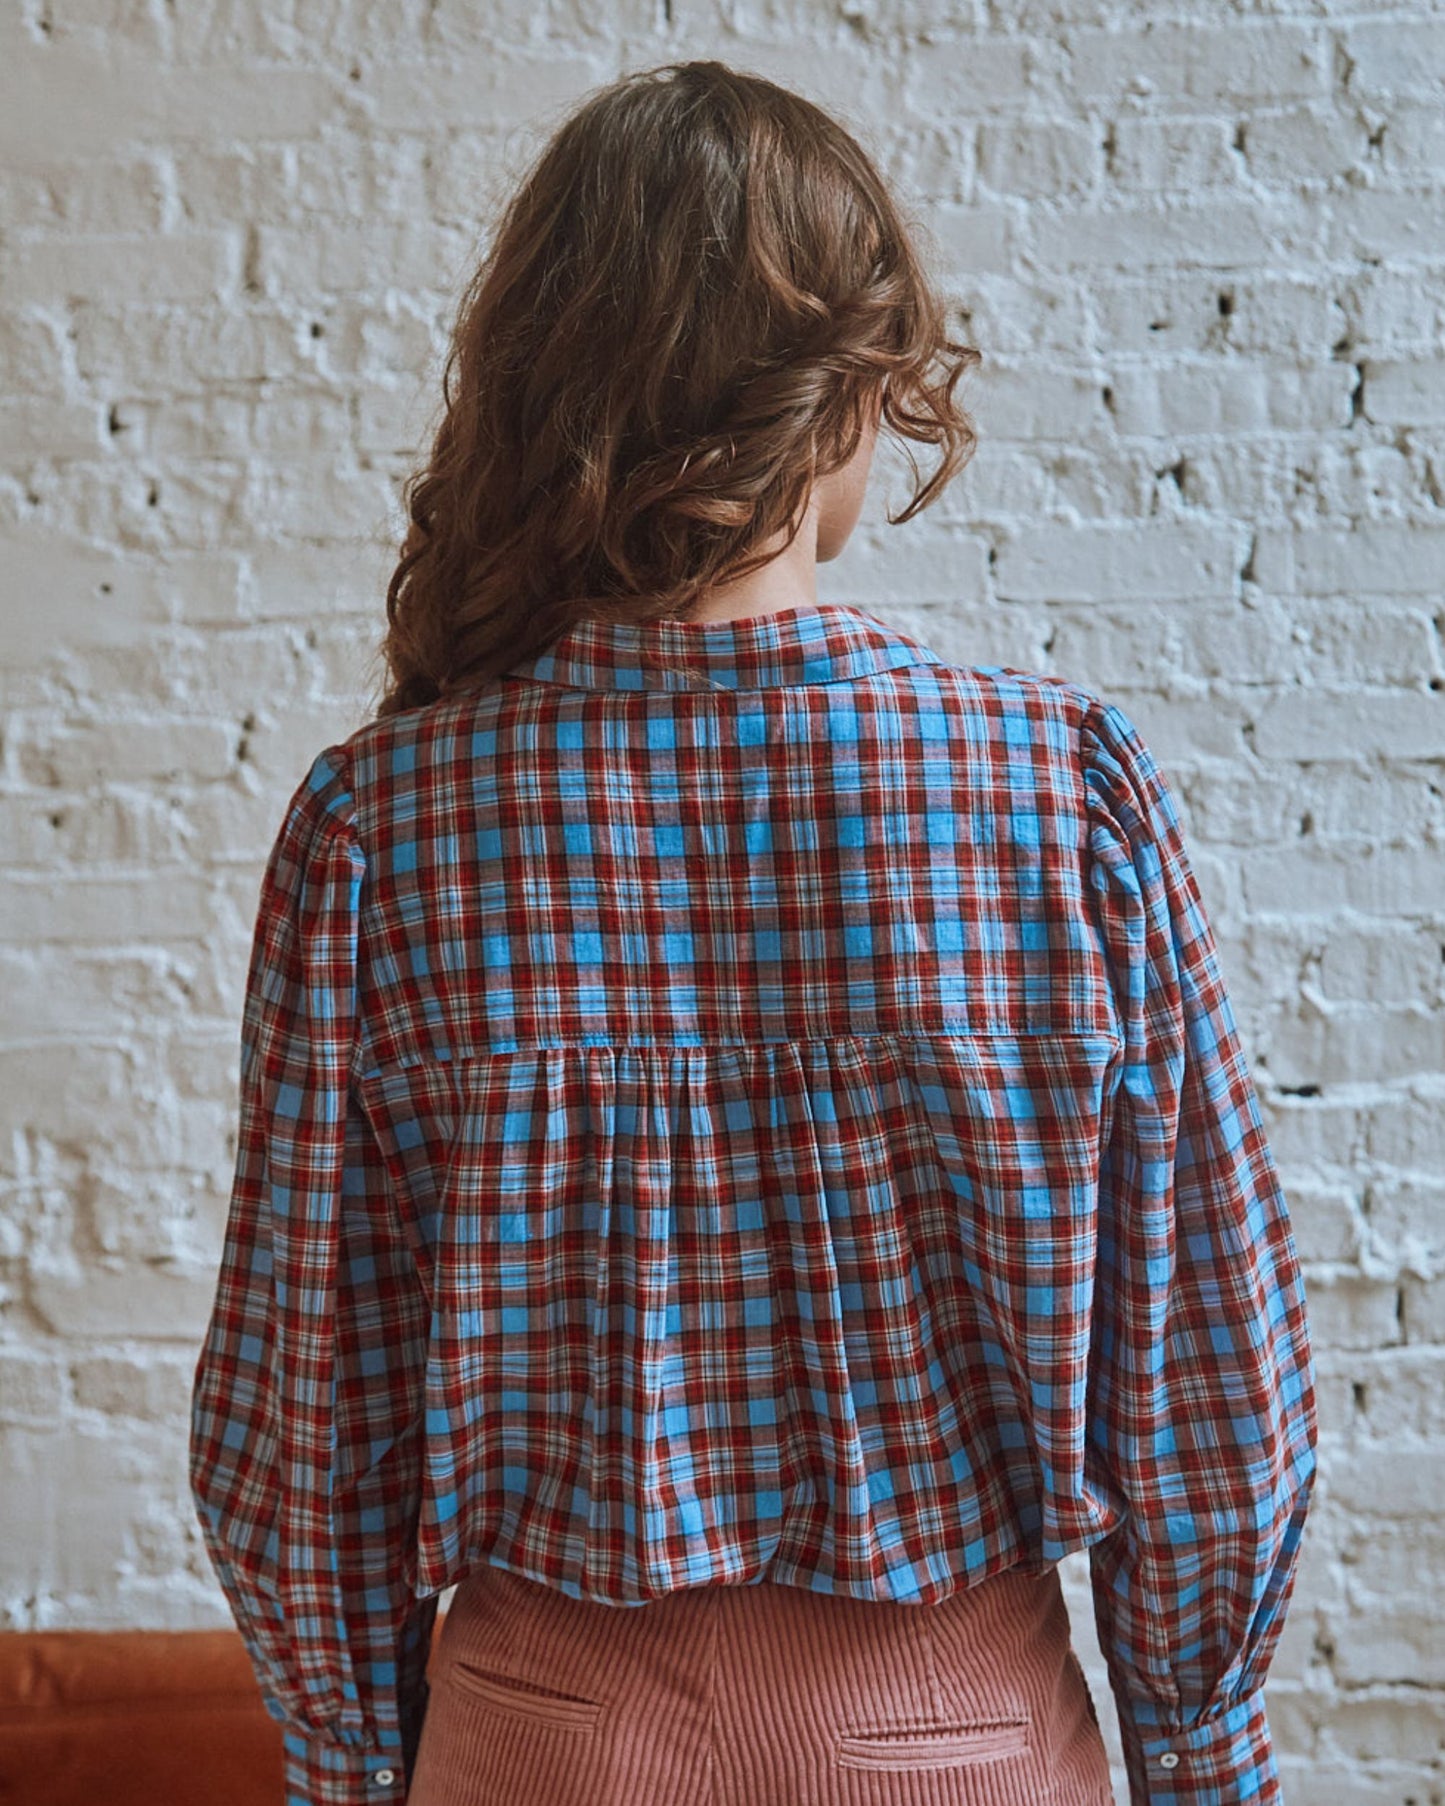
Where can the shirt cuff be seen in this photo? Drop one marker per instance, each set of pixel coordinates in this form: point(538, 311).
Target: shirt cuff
point(332, 1774)
point(1227, 1761)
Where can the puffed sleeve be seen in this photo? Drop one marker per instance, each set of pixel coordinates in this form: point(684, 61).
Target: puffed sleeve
point(1202, 1406)
point(306, 1401)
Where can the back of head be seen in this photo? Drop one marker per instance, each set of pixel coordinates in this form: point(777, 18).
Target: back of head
point(689, 307)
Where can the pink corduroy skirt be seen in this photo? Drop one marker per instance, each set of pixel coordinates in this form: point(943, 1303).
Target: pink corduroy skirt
point(761, 1695)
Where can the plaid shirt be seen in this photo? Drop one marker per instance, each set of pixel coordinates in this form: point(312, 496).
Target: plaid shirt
point(749, 1099)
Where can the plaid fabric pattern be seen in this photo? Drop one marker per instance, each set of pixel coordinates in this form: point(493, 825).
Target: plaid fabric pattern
point(749, 1100)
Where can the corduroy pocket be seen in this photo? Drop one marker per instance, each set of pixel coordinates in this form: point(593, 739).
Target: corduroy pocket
point(524, 1699)
point(944, 1746)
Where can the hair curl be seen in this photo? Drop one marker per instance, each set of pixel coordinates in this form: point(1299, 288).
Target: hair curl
point(688, 311)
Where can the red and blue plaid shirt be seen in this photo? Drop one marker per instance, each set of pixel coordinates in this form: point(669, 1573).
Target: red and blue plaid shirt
point(749, 1100)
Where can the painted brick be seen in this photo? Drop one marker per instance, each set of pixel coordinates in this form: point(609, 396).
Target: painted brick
point(121, 1386)
point(1039, 160)
point(87, 99)
point(1329, 562)
point(1405, 392)
point(129, 752)
point(1311, 136)
point(1377, 223)
point(1105, 563)
point(1025, 402)
point(1227, 231)
point(1412, 146)
point(1394, 56)
point(1226, 396)
point(1423, 1310)
point(1400, 724)
point(1153, 154)
point(190, 267)
point(1396, 1391)
point(1250, 60)
point(1407, 1223)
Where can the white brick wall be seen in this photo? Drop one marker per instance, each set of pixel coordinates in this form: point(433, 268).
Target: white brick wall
point(1204, 257)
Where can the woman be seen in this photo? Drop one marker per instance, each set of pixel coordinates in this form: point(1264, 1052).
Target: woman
point(746, 1159)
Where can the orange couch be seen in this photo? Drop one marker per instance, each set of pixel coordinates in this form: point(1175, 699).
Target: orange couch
point(135, 1718)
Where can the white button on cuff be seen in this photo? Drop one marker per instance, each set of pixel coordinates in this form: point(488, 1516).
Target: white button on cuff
point(384, 1777)
point(1169, 1759)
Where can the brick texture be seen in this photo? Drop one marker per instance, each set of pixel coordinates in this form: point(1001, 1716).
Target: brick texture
point(1204, 257)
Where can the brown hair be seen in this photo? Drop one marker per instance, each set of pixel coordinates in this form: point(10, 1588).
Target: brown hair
point(686, 316)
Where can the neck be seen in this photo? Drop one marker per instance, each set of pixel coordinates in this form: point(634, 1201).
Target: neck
point(789, 581)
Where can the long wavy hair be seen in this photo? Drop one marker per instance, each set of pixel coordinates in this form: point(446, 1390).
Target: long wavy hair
point(693, 304)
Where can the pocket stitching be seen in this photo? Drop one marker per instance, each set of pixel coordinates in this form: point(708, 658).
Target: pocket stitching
point(948, 1746)
point(567, 1714)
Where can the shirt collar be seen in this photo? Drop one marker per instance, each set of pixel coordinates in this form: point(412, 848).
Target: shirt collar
point(818, 644)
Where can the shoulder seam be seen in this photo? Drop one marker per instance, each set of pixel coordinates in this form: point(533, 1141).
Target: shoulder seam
point(330, 806)
point(339, 758)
